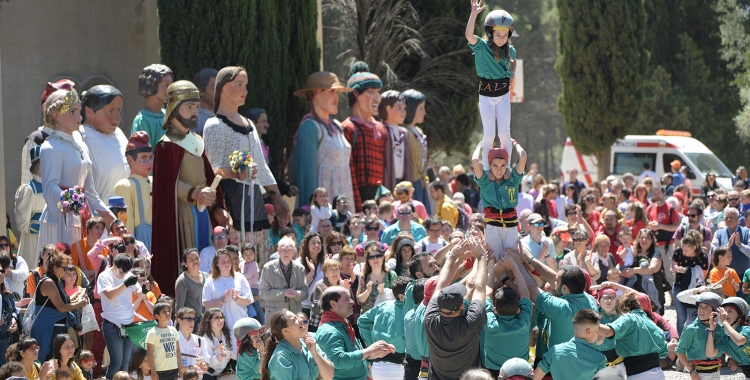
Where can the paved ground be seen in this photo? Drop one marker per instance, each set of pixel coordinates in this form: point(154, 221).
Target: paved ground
point(726, 373)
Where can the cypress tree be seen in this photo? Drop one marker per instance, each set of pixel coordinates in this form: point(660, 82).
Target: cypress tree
point(602, 62)
point(275, 42)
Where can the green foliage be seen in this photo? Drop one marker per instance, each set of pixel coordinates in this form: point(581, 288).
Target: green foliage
point(602, 64)
point(276, 43)
point(663, 107)
point(418, 44)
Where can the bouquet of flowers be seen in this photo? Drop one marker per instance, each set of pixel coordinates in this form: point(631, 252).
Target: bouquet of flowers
point(72, 200)
point(239, 161)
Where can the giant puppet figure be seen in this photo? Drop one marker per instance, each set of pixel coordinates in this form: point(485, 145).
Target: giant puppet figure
point(182, 175)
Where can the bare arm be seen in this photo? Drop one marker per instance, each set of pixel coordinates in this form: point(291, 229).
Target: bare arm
point(476, 158)
point(521, 165)
point(476, 8)
point(451, 261)
point(653, 267)
point(49, 290)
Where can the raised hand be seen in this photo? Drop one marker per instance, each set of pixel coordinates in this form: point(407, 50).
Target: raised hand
point(381, 288)
point(722, 314)
point(477, 7)
point(309, 342)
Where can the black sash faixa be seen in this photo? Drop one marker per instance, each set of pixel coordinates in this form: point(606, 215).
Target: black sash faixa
point(494, 88)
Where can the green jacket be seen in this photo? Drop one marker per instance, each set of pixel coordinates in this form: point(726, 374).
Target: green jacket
point(287, 363)
point(506, 337)
point(738, 353)
point(345, 355)
point(419, 334)
point(573, 360)
point(248, 366)
point(384, 322)
point(560, 312)
point(637, 335)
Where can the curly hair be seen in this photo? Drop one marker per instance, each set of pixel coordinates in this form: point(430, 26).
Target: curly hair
point(53, 103)
point(56, 259)
point(627, 303)
point(148, 81)
point(651, 235)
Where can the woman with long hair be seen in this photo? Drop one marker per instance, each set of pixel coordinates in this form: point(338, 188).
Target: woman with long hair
point(571, 192)
point(70, 281)
point(312, 256)
point(640, 195)
point(637, 217)
point(375, 276)
point(226, 289)
point(401, 254)
point(221, 343)
point(8, 318)
point(354, 230)
point(64, 352)
point(708, 185)
point(334, 243)
point(645, 245)
point(536, 185)
point(687, 259)
point(228, 131)
point(290, 353)
point(189, 286)
point(139, 368)
point(588, 206)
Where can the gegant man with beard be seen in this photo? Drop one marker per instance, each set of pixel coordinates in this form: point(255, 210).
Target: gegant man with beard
point(182, 175)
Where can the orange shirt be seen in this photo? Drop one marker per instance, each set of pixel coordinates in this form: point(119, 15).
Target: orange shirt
point(30, 283)
point(718, 273)
point(80, 249)
point(142, 309)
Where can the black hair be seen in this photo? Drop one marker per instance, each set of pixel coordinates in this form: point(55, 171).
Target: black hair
point(328, 296)
point(299, 212)
point(506, 301)
point(415, 263)
point(586, 317)
point(124, 262)
point(625, 192)
point(254, 114)
point(115, 222)
point(432, 221)
point(646, 166)
point(413, 99)
point(574, 279)
point(389, 99)
point(463, 179)
point(204, 76)
point(437, 185)
point(417, 292)
point(399, 286)
point(97, 97)
point(161, 306)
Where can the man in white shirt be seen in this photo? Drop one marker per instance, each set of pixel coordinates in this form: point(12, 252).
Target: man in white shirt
point(101, 108)
point(647, 172)
point(220, 240)
point(17, 272)
point(525, 202)
point(116, 287)
point(205, 80)
point(433, 242)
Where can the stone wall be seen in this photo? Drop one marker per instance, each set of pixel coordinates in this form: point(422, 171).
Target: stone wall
point(89, 41)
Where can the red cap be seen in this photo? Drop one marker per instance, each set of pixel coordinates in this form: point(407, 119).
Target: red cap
point(138, 140)
point(270, 209)
point(645, 302)
point(679, 196)
point(219, 230)
point(62, 84)
point(429, 289)
point(607, 291)
point(497, 153)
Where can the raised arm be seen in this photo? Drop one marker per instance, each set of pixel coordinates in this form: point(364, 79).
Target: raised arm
point(521, 165)
point(476, 8)
point(476, 158)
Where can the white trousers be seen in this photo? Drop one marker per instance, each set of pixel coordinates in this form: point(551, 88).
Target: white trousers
point(710, 376)
point(653, 374)
point(495, 113)
point(499, 238)
point(387, 371)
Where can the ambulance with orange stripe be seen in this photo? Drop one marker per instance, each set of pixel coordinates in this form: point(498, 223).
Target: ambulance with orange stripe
point(630, 153)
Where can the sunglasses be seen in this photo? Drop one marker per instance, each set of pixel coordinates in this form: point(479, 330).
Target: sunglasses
point(579, 239)
point(692, 215)
point(303, 321)
point(336, 243)
point(572, 213)
point(437, 230)
point(607, 298)
point(220, 237)
point(711, 195)
point(129, 242)
point(191, 319)
point(378, 256)
point(91, 360)
point(405, 213)
point(372, 228)
point(4, 245)
point(734, 199)
point(218, 318)
point(538, 224)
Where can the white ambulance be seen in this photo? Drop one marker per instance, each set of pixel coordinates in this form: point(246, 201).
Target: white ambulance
point(630, 153)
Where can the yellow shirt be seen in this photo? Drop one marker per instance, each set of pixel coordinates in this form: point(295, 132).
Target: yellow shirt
point(446, 210)
point(127, 190)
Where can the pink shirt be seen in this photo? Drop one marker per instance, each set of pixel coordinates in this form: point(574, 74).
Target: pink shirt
point(418, 206)
point(251, 272)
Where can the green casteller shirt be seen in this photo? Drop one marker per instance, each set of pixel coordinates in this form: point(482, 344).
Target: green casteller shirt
point(410, 337)
point(500, 195)
point(560, 312)
point(637, 335)
point(693, 341)
point(409, 297)
point(746, 278)
point(740, 354)
point(385, 322)
point(608, 344)
point(345, 355)
point(150, 123)
point(287, 363)
point(487, 66)
point(248, 366)
point(543, 336)
point(419, 334)
point(573, 360)
point(506, 337)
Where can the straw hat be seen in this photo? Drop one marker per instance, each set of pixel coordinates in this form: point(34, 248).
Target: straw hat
point(321, 80)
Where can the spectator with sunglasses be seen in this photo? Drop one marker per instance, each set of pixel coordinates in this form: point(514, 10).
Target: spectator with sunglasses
point(405, 223)
point(539, 245)
point(692, 221)
point(372, 233)
point(220, 240)
point(118, 228)
point(375, 276)
point(334, 243)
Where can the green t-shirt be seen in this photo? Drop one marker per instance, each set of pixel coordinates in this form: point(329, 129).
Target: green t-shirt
point(693, 341)
point(573, 360)
point(740, 354)
point(746, 278)
point(487, 66)
point(512, 331)
point(150, 123)
point(560, 312)
point(637, 335)
point(500, 195)
point(608, 344)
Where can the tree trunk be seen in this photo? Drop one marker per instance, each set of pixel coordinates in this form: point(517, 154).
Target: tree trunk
point(602, 163)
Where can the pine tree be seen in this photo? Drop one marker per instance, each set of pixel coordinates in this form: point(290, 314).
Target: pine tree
point(602, 63)
point(274, 41)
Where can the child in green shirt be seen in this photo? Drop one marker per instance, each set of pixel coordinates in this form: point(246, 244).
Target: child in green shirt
point(692, 346)
point(249, 334)
point(577, 358)
point(732, 316)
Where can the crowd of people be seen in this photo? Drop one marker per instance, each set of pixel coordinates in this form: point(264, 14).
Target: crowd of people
point(174, 251)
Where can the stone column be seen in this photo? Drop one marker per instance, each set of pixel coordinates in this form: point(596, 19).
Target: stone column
point(2, 146)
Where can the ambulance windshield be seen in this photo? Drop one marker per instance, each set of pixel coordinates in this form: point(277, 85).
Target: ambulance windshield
point(707, 161)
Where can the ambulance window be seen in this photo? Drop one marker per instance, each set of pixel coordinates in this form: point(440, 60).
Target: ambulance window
point(667, 159)
point(627, 162)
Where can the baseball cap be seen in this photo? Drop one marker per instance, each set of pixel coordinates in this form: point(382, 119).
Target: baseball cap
point(535, 218)
point(497, 153)
point(676, 164)
point(452, 297)
point(429, 289)
point(516, 367)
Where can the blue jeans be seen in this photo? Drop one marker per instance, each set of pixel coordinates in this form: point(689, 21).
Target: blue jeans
point(684, 311)
point(260, 316)
point(120, 349)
